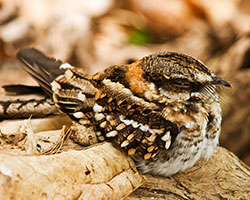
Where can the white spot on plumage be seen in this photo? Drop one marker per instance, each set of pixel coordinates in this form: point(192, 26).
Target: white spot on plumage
point(68, 74)
point(151, 94)
point(83, 121)
point(65, 66)
point(107, 81)
point(126, 91)
point(55, 86)
point(167, 144)
point(124, 143)
point(99, 116)
point(151, 131)
point(165, 136)
point(78, 115)
point(135, 124)
point(111, 134)
point(81, 96)
point(103, 124)
point(108, 118)
point(97, 108)
point(112, 85)
point(120, 126)
point(151, 86)
point(127, 122)
point(121, 117)
point(144, 128)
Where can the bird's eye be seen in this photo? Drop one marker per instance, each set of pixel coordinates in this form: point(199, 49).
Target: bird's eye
point(182, 83)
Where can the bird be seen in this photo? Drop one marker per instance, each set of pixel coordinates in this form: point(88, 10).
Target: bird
point(163, 110)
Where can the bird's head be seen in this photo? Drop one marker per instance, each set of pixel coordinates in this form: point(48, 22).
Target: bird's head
point(174, 77)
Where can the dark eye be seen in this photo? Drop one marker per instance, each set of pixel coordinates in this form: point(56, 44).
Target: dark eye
point(182, 83)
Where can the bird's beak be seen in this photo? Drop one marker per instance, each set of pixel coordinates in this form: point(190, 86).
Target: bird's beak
point(219, 81)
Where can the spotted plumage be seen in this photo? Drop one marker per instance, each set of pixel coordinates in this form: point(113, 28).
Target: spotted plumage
point(163, 110)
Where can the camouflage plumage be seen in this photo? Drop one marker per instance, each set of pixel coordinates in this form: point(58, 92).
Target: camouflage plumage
point(163, 110)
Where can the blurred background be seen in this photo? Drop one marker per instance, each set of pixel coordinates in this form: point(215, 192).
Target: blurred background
point(96, 34)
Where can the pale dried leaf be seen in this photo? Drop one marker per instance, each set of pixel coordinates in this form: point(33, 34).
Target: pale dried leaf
point(69, 174)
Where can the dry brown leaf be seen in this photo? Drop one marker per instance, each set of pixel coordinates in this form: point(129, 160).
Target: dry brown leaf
point(22, 140)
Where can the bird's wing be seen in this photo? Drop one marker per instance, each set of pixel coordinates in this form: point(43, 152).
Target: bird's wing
point(105, 102)
point(129, 121)
point(119, 116)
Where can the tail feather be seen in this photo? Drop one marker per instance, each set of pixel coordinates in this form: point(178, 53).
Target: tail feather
point(71, 89)
point(22, 89)
point(42, 68)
